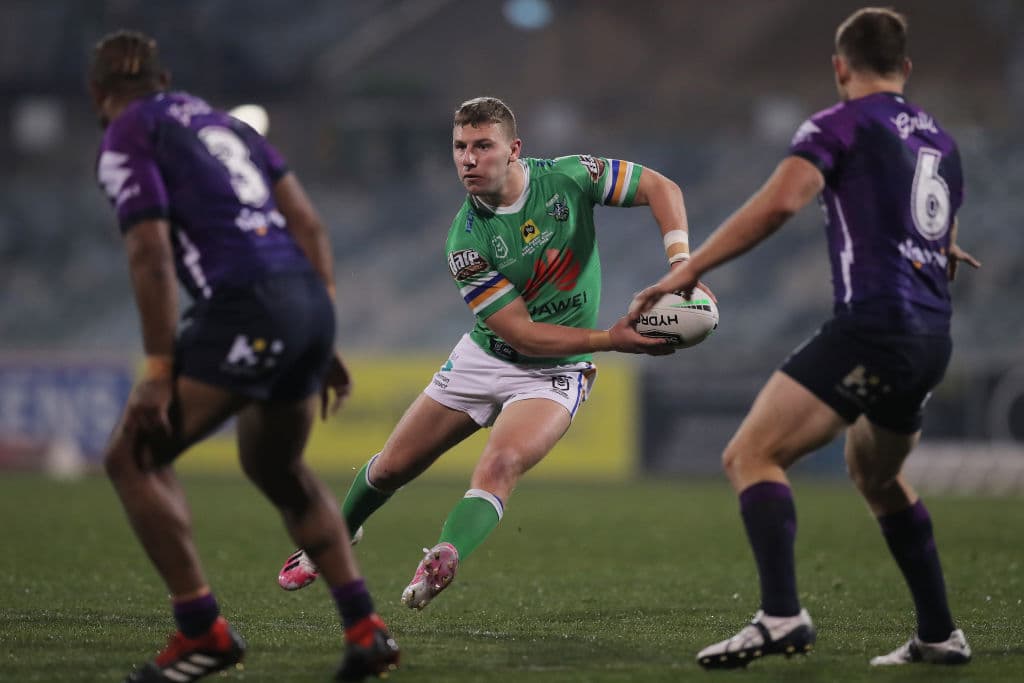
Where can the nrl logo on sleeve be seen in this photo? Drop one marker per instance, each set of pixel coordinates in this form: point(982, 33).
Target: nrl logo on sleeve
point(465, 263)
point(593, 165)
point(500, 248)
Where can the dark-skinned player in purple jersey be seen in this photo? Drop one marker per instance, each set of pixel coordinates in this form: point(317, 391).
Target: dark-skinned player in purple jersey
point(891, 185)
point(200, 193)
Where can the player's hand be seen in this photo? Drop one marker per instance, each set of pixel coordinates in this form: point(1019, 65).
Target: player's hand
point(682, 278)
point(626, 339)
point(956, 255)
point(706, 289)
point(147, 409)
point(147, 420)
point(679, 264)
point(338, 382)
point(645, 299)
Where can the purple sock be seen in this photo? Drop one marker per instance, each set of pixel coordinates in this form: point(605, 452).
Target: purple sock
point(770, 519)
point(353, 602)
point(195, 617)
point(909, 535)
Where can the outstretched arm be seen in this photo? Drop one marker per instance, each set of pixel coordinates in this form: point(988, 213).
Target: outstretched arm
point(793, 184)
point(513, 323)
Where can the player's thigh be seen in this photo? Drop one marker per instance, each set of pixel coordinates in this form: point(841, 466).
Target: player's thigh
point(523, 434)
point(273, 434)
point(204, 407)
point(786, 422)
point(196, 410)
point(875, 454)
point(426, 431)
point(858, 369)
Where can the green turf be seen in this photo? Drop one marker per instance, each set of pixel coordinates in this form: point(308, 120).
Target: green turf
point(583, 583)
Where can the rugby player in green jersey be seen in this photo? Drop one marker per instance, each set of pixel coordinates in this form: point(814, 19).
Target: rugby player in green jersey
point(523, 253)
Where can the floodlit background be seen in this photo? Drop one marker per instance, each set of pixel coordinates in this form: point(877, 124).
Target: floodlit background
point(359, 97)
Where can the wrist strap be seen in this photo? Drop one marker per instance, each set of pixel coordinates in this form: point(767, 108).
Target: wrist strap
point(677, 245)
point(676, 258)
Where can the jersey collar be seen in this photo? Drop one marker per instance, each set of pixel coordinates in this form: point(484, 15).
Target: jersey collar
point(514, 207)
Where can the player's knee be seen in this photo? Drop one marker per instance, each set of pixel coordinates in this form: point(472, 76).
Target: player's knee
point(118, 461)
point(113, 465)
point(291, 497)
point(501, 469)
point(287, 486)
point(737, 457)
point(870, 482)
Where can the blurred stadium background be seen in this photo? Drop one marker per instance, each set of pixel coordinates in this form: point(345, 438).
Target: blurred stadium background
point(360, 96)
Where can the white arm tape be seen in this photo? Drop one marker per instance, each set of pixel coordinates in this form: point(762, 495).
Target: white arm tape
point(676, 237)
point(679, 257)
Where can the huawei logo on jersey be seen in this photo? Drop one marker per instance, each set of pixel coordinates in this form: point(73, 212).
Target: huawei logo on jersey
point(557, 267)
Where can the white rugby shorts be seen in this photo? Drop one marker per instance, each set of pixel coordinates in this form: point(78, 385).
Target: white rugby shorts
point(481, 385)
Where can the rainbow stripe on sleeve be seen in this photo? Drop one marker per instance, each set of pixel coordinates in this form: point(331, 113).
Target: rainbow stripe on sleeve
point(616, 182)
point(484, 289)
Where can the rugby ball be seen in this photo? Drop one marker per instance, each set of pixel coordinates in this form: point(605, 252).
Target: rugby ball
point(686, 322)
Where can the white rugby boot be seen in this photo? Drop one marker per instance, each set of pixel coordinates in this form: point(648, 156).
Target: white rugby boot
point(952, 650)
point(764, 635)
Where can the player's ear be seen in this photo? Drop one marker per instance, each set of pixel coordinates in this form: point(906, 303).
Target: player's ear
point(164, 79)
point(842, 69)
point(517, 148)
point(907, 68)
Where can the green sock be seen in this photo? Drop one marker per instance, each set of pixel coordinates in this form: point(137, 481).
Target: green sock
point(471, 521)
point(362, 499)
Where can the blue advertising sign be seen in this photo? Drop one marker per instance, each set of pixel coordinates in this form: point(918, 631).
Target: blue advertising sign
point(43, 399)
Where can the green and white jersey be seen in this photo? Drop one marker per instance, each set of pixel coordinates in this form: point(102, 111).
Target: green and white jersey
point(542, 248)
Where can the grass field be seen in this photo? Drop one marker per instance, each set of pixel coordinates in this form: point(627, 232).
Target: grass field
point(585, 583)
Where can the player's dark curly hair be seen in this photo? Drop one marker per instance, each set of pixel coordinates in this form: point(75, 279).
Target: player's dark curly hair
point(874, 39)
point(126, 62)
point(484, 110)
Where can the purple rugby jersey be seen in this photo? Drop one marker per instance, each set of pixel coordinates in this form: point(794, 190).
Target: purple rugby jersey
point(172, 156)
point(893, 186)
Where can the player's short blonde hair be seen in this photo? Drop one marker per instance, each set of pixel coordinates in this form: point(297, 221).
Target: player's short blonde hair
point(483, 110)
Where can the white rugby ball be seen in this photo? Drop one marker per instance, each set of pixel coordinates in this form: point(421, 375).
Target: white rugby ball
point(686, 322)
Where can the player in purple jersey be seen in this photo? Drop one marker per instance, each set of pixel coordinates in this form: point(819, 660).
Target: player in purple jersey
point(196, 189)
point(891, 185)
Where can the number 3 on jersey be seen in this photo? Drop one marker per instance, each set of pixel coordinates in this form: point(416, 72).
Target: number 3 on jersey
point(246, 179)
point(929, 196)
